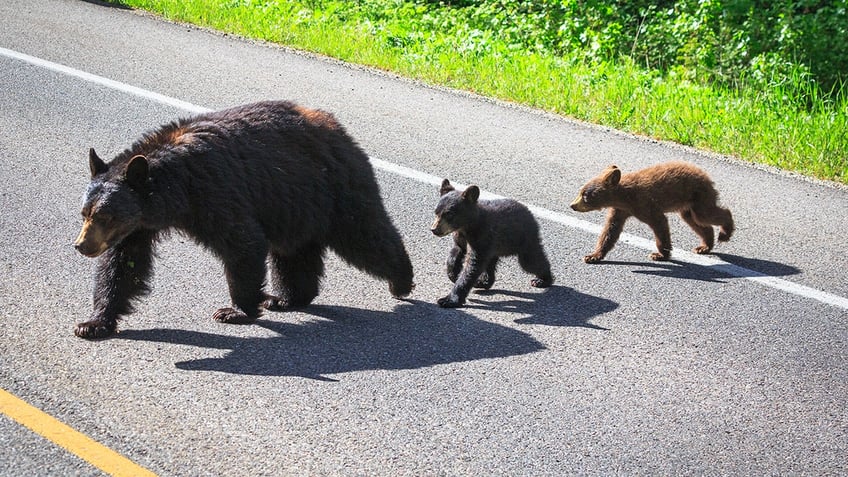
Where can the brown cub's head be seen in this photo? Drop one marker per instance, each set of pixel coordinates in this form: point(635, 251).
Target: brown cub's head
point(111, 207)
point(596, 194)
point(455, 209)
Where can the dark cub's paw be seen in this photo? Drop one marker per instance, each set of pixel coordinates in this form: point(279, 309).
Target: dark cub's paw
point(232, 316)
point(401, 290)
point(95, 329)
point(485, 282)
point(541, 283)
point(450, 302)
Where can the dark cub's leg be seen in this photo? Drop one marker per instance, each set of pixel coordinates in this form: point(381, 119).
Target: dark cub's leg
point(475, 265)
point(122, 275)
point(534, 261)
point(704, 231)
point(487, 279)
point(456, 259)
point(296, 277)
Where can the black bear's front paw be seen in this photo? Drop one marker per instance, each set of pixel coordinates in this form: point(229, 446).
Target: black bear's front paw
point(450, 301)
point(273, 303)
point(95, 329)
point(401, 290)
point(232, 316)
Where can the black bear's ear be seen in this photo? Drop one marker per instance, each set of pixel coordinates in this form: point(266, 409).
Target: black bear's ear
point(137, 172)
point(96, 164)
point(446, 187)
point(612, 176)
point(471, 194)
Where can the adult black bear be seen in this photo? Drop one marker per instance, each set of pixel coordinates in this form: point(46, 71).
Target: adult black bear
point(648, 194)
point(483, 231)
point(270, 179)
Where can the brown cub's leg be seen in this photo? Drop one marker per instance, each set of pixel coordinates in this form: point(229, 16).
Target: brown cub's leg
point(612, 230)
point(704, 231)
point(712, 214)
point(659, 224)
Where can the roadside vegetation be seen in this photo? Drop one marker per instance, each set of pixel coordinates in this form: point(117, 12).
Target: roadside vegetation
point(762, 81)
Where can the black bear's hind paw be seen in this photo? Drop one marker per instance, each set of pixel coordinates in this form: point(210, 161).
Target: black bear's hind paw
point(541, 283)
point(232, 316)
point(401, 291)
point(484, 282)
point(95, 329)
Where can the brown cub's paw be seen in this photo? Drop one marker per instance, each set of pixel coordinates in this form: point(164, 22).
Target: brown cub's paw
point(593, 258)
point(723, 236)
point(95, 329)
point(232, 316)
point(702, 249)
point(658, 257)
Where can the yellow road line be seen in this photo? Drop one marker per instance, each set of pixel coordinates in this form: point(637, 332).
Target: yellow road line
point(75, 442)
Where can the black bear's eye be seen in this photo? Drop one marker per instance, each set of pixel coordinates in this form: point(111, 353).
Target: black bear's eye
point(447, 216)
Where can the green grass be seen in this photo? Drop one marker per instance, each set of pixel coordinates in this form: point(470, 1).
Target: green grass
point(789, 125)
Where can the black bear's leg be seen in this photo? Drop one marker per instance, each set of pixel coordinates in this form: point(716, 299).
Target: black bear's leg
point(705, 232)
point(487, 278)
point(373, 245)
point(475, 265)
point(609, 236)
point(244, 267)
point(122, 275)
point(534, 261)
point(296, 277)
point(456, 257)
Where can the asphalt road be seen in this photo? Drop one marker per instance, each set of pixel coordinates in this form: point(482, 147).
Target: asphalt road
point(734, 365)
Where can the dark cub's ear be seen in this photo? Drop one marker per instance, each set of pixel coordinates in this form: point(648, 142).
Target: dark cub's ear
point(446, 187)
point(612, 175)
point(471, 194)
point(137, 172)
point(96, 164)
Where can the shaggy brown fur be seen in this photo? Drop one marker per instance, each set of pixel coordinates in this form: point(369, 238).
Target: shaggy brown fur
point(647, 195)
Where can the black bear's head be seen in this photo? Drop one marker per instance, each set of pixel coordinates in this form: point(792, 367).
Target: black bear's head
point(598, 192)
point(456, 210)
point(111, 207)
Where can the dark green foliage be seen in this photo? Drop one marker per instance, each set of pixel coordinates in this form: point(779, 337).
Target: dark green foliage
point(732, 42)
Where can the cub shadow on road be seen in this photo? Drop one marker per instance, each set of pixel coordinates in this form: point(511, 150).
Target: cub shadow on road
point(554, 306)
point(743, 267)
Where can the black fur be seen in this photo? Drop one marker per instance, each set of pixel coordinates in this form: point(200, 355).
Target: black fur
point(266, 181)
point(483, 231)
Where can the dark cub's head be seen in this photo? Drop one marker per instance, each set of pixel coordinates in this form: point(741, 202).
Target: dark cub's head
point(111, 208)
point(456, 209)
point(598, 192)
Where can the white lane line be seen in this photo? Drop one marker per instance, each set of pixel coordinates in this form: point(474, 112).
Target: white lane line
point(712, 262)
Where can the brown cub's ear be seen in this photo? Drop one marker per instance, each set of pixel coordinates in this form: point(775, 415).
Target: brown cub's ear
point(612, 175)
point(137, 172)
point(471, 194)
point(96, 164)
point(446, 187)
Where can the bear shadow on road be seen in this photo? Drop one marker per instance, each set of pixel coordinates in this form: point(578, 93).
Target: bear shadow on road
point(344, 339)
point(749, 267)
point(554, 306)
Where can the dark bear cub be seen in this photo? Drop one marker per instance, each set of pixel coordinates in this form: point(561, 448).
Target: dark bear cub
point(648, 194)
point(483, 231)
point(269, 183)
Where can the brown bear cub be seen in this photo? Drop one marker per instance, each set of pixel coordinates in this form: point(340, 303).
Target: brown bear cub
point(269, 181)
point(647, 195)
point(483, 231)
